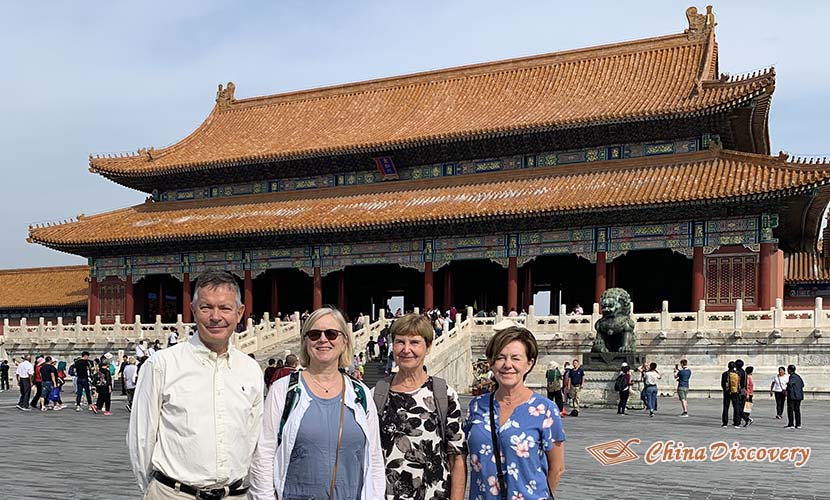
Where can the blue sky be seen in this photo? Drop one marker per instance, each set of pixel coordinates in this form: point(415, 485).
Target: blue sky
point(103, 76)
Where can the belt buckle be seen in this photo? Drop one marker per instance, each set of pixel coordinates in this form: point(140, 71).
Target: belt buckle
point(213, 494)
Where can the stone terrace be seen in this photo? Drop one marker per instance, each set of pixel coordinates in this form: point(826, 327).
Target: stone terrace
point(55, 455)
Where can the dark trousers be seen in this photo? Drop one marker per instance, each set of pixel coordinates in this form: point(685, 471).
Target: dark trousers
point(556, 397)
point(4, 383)
point(123, 386)
point(780, 397)
point(623, 401)
point(104, 398)
point(82, 385)
point(793, 410)
point(130, 395)
point(734, 401)
point(25, 392)
point(36, 392)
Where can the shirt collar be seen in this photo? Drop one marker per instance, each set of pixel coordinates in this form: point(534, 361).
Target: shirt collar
point(203, 353)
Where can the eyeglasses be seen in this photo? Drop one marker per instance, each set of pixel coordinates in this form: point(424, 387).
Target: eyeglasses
point(331, 334)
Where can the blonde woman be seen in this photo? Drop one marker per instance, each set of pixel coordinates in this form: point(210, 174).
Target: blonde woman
point(319, 436)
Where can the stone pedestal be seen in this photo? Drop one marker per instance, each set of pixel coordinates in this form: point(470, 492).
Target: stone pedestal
point(611, 361)
point(598, 389)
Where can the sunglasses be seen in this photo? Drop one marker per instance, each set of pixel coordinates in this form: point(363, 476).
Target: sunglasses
point(331, 334)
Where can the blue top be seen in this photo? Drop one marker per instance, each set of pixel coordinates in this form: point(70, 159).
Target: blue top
point(524, 440)
point(576, 376)
point(312, 458)
point(683, 377)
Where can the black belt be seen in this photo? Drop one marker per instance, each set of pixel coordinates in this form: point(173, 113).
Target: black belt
point(232, 490)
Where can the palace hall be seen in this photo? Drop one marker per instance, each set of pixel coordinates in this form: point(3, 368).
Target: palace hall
point(639, 165)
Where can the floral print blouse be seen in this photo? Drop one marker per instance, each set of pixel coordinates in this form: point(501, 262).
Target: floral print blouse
point(524, 440)
point(416, 467)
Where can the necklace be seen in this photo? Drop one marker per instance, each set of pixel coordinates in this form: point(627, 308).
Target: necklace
point(319, 384)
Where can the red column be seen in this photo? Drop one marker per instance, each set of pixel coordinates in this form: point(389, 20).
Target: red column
point(161, 300)
point(697, 278)
point(317, 296)
point(249, 296)
point(428, 290)
point(765, 276)
point(187, 311)
point(600, 282)
point(341, 291)
point(92, 302)
point(528, 287)
point(129, 302)
point(448, 298)
point(275, 296)
point(512, 284)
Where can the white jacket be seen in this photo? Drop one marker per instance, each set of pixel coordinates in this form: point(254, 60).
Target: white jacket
point(270, 462)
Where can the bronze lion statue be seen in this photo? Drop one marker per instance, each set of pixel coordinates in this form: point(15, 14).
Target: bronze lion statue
point(615, 329)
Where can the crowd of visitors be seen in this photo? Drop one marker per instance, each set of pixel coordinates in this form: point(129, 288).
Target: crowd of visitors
point(42, 382)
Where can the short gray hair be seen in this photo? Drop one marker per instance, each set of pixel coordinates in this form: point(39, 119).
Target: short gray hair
point(214, 279)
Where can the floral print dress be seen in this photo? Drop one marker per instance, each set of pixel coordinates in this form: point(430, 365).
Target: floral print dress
point(416, 467)
point(524, 440)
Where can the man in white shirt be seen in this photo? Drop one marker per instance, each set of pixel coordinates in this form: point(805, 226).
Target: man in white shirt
point(24, 374)
point(173, 338)
point(140, 350)
point(197, 410)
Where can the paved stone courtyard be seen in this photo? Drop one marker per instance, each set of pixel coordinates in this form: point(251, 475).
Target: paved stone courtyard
point(59, 455)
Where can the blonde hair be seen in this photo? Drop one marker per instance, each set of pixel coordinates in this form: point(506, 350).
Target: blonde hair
point(347, 354)
point(413, 324)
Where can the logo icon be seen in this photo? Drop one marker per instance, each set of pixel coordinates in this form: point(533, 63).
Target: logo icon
point(614, 452)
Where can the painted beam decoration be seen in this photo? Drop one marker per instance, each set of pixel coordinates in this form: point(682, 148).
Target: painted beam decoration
point(680, 237)
point(387, 170)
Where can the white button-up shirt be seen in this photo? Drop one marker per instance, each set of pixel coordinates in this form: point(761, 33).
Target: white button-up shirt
point(196, 416)
point(25, 369)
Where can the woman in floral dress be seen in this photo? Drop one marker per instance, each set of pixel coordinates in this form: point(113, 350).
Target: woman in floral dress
point(529, 429)
point(419, 460)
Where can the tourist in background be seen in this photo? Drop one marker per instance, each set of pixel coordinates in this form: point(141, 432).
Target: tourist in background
point(173, 338)
point(420, 420)
point(103, 387)
point(750, 391)
point(682, 375)
point(83, 369)
point(49, 379)
point(4, 375)
point(554, 377)
point(268, 374)
point(650, 378)
point(24, 374)
point(61, 379)
point(130, 377)
point(141, 350)
point(577, 377)
point(37, 378)
point(623, 387)
point(121, 368)
point(795, 394)
point(730, 382)
point(778, 388)
point(515, 424)
point(290, 366)
point(566, 386)
point(327, 444)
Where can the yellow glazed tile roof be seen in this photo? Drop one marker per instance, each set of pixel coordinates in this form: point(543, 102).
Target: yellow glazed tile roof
point(708, 175)
point(666, 76)
point(44, 287)
point(805, 267)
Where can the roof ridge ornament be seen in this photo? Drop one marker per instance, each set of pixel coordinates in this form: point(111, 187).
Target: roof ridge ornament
point(700, 24)
point(224, 96)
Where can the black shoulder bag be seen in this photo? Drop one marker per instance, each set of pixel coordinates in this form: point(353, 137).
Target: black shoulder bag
point(496, 450)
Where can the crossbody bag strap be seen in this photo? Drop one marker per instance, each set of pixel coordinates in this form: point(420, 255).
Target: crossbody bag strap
point(339, 436)
point(496, 450)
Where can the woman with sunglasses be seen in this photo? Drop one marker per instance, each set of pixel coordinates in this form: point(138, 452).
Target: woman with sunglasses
point(319, 437)
point(514, 435)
